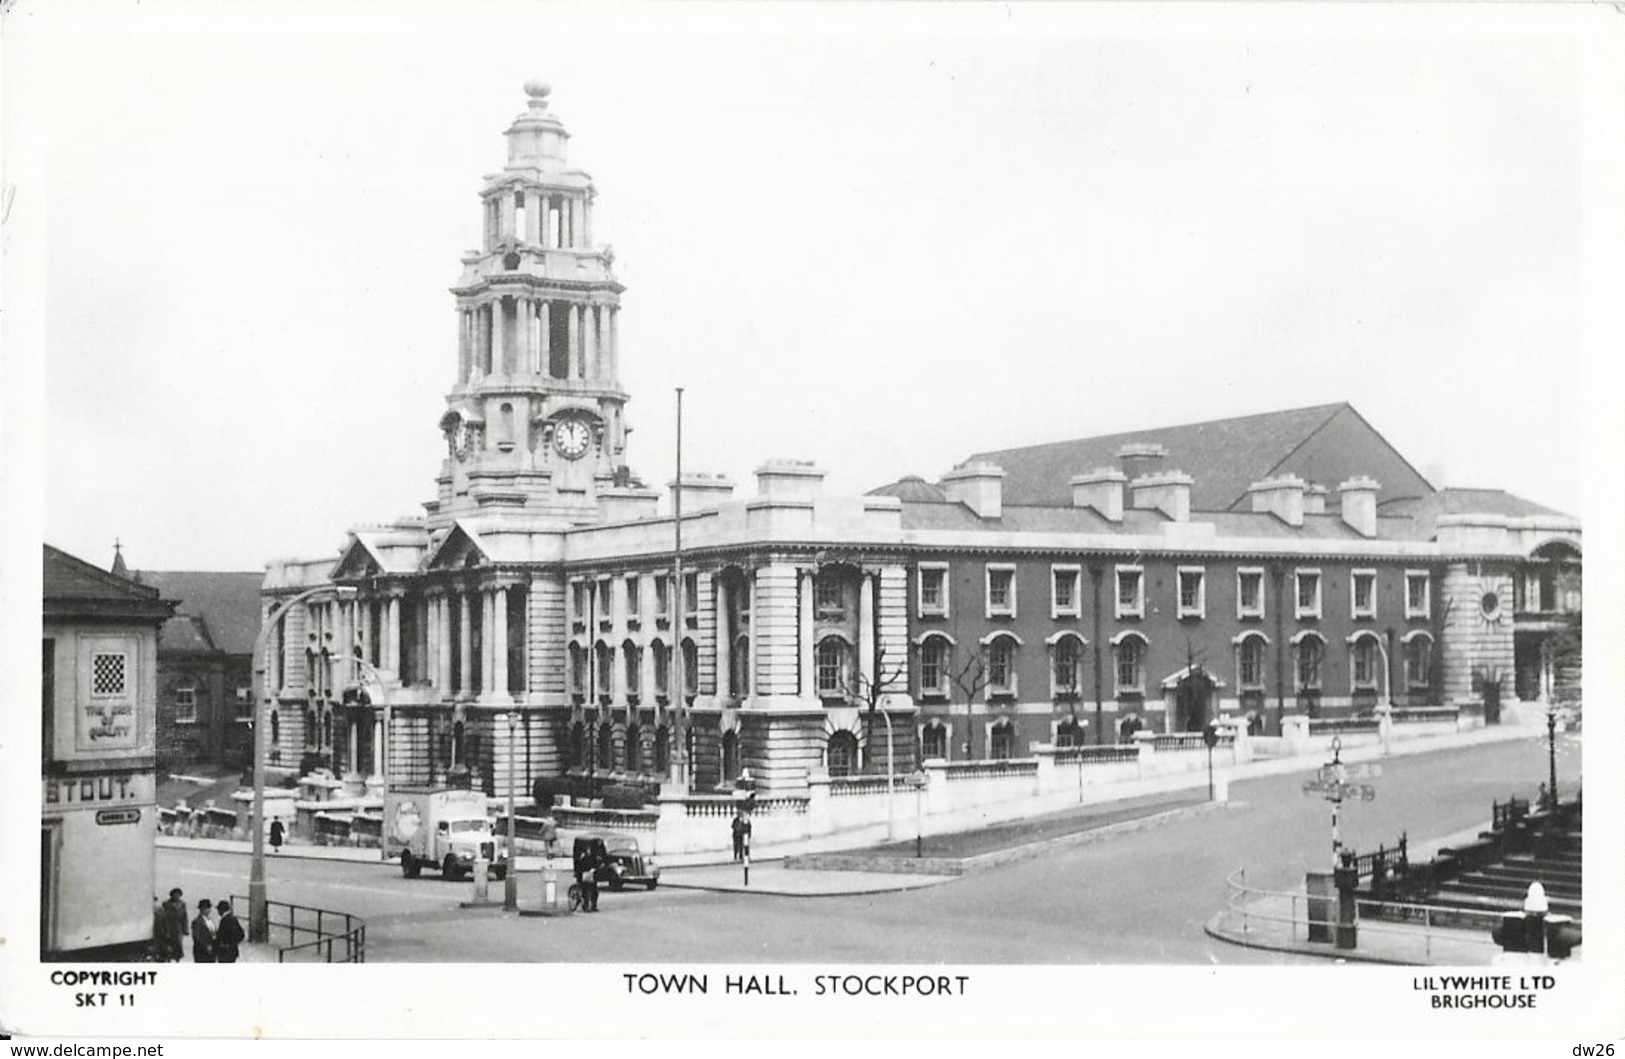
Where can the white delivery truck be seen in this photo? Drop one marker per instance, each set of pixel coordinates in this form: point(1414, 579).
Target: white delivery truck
point(447, 830)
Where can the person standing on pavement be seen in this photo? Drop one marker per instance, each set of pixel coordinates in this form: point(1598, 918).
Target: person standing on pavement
point(203, 931)
point(276, 835)
point(739, 827)
point(228, 936)
point(587, 877)
point(174, 927)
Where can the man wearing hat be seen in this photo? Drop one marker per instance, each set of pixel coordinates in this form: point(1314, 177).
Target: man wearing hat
point(203, 929)
point(228, 935)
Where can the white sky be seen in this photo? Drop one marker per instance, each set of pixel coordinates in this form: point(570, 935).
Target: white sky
point(881, 238)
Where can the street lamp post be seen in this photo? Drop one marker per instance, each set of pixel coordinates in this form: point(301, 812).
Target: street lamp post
point(258, 921)
point(1551, 755)
point(510, 878)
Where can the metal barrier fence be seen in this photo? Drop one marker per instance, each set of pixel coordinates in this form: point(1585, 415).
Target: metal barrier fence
point(339, 936)
point(1410, 933)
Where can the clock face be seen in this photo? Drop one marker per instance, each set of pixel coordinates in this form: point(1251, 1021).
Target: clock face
point(572, 437)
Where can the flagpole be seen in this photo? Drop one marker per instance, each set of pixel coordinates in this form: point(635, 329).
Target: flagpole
point(679, 753)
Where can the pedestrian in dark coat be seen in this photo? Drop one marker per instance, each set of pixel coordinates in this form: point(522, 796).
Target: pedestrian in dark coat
point(739, 827)
point(228, 936)
point(175, 919)
point(587, 877)
point(203, 929)
point(276, 835)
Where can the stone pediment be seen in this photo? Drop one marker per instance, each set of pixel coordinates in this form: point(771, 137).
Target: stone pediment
point(359, 560)
point(461, 549)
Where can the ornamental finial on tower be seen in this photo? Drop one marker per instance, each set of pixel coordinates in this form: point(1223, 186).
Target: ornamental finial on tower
point(538, 90)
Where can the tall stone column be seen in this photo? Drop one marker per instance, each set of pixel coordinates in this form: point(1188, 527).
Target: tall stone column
point(465, 643)
point(378, 743)
point(614, 343)
point(442, 644)
point(808, 659)
point(465, 345)
point(575, 339)
point(589, 341)
point(485, 641)
point(392, 635)
point(752, 678)
point(499, 641)
point(724, 638)
point(499, 338)
point(866, 631)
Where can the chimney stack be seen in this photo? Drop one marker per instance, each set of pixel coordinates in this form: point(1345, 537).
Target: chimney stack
point(1359, 497)
point(801, 479)
point(1102, 490)
point(1314, 499)
point(979, 486)
point(1140, 458)
point(1168, 492)
point(1281, 497)
point(702, 490)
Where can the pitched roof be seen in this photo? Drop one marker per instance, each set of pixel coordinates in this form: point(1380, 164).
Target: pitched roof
point(1224, 456)
point(1425, 512)
point(910, 488)
point(226, 605)
point(73, 587)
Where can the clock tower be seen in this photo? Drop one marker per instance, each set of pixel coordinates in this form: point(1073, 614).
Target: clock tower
point(535, 423)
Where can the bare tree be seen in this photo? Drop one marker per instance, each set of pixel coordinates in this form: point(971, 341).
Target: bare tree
point(970, 679)
point(869, 691)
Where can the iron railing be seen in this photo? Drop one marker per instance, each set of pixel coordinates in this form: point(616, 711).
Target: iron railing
point(339, 937)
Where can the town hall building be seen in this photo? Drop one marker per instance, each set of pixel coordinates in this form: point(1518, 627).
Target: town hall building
point(540, 620)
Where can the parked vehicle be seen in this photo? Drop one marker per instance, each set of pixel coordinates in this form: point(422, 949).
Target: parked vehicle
point(620, 862)
point(445, 830)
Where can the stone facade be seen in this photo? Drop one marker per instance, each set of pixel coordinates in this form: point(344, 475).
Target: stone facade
point(807, 627)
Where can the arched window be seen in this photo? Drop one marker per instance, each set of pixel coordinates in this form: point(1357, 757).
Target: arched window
point(327, 729)
point(843, 754)
point(1418, 662)
point(1250, 663)
point(276, 727)
point(578, 669)
point(831, 668)
point(311, 731)
point(662, 749)
point(1129, 655)
point(457, 748)
point(1001, 666)
point(605, 668)
point(606, 745)
point(1065, 657)
point(1002, 741)
point(632, 655)
point(934, 661)
point(634, 748)
point(934, 741)
point(1069, 733)
point(662, 665)
point(1365, 663)
point(1307, 657)
point(691, 668)
point(578, 745)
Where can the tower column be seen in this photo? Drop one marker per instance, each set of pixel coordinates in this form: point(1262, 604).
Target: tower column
point(484, 344)
point(535, 206)
point(614, 312)
point(545, 345)
point(752, 681)
point(499, 641)
point(575, 223)
point(575, 339)
point(724, 639)
point(442, 644)
point(499, 338)
point(464, 345)
point(589, 341)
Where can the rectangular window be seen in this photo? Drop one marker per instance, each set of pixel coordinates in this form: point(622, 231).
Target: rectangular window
point(578, 604)
point(1001, 590)
point(1001, 668)
point(1064, 591)
point(662, 663)
point(827, 601)
point(1130, 592)
point(606, 615)
point(933, 600)
point(1249, 593)
point(1419, 664)
point(1363, 664)
point(245, 703)
point(1308, 593)
point(1064, 668)
point(1418, 594)
point(1363, 593)
point(633, 657)
point(634, 604)
point(1251, 666)
point(185, 703)
point(831, 658)
point(1192, 592)
point(1308, 663)
point(1130, 666)
point(663, 597)
point(691, 598)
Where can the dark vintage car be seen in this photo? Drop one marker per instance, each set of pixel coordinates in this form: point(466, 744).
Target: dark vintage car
point(620, 862)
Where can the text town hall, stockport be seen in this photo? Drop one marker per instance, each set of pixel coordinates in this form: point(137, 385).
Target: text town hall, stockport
point(1252, 569)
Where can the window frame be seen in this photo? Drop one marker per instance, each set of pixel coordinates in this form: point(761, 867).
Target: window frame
point(1365, 650)
point(633, 591)
point(1425, 611)
point(1007, 610)
point(1355, 611)
point(1243, 643)
point(921, 608)
point(1075, 643)
point(1135, 609)
point(188, 686)
point(1009, 687)
point(1299, 609)
point(1199, 608)
point(1066, 571)
point(1410, 643)
point(825, 609)
point(939, 689)
point(838, 689)
point(1299, 685)
point(1136, 688)
point(1242, 610)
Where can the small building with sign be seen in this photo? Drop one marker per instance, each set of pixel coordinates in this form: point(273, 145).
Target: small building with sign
point(98, 811)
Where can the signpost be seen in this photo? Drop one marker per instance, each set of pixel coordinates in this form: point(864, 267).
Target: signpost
point(1336, 783)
